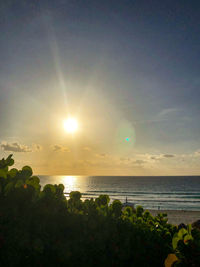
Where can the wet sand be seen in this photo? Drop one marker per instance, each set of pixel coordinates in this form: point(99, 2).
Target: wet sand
point(179, 216)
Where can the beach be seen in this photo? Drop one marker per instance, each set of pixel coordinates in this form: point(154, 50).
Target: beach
point(179, 216)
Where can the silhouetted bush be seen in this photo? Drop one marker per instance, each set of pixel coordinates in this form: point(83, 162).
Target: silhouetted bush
point(41, 227)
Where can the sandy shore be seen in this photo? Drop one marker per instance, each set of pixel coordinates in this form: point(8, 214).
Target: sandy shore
point(179, 216)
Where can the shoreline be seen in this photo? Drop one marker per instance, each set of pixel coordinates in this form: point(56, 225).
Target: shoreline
point(179, 216)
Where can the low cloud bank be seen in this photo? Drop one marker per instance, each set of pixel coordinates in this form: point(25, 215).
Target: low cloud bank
point(15, 147)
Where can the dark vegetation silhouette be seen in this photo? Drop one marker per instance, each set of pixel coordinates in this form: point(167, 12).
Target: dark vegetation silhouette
point(40, 227)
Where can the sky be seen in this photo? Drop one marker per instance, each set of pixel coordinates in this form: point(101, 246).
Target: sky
point(128, 71)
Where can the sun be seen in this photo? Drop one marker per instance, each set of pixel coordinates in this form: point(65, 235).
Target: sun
point(70, 125)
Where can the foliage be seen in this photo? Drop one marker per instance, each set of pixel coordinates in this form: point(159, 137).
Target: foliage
point(186, 244)
point(39, 226)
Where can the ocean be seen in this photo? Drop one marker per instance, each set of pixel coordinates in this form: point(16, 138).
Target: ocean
point(164, 192)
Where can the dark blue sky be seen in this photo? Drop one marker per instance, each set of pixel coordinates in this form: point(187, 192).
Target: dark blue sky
point(113, 62)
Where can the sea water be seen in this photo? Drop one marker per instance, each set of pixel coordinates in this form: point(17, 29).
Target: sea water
point(164, 192)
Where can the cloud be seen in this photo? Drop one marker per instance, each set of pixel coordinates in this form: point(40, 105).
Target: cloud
point(155, 158)
point(168, 156)
point(15, 147)
point(163, 115)
point(167, 111)
point(197, 153)
point(139, 161)
point(160, 156)
point(57, 148)
point(86, 148)
point(125, 159)
point(101, 155)
point(37, 147)
point(88, 162)
point(66, 149)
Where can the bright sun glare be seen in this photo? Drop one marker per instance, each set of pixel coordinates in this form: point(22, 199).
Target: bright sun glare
point(70, 125)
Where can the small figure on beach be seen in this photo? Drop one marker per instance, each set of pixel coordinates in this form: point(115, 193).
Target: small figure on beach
point(128, 204)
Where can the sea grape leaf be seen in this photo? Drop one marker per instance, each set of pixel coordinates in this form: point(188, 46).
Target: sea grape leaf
point(19, 183)
point(187, 237)
point(13, 172)
point(189, 228)
point(9, 160)
point(27, 171)
point(34, 181)
point(3, 174)
point(102, 200)
point(9, 187)
point(61, 186)
point(49, 188)
point(75, 195)
point(5, 169)
point(175, 240)
point(139, 211)
point(2, 163)
point(182, 232)
point(171, 258)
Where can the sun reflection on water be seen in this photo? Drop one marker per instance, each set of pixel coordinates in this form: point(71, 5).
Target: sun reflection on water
point(70, 183)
